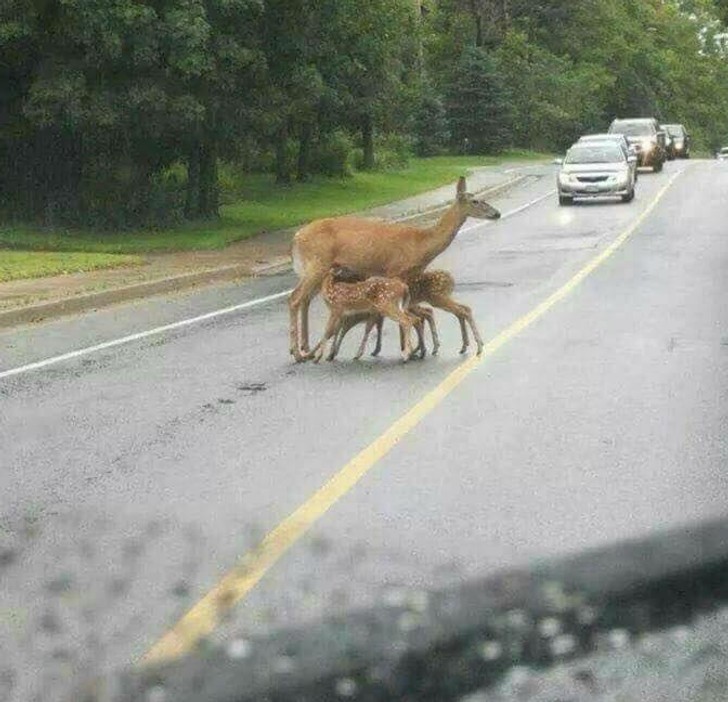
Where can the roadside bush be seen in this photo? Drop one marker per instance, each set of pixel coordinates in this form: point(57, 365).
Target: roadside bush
point(332, 155)
point(391, 151)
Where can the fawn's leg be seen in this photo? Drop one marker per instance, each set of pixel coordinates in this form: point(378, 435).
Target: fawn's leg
point(378, 345)
point(395, 313)
point(332, 327)
point(346, 325)
point(464, 314)
point(371, 322)
point(430, 318)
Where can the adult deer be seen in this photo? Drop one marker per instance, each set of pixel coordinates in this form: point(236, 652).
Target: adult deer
point(370, 248)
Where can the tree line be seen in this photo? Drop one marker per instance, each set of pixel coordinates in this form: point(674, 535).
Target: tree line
point(121, 112)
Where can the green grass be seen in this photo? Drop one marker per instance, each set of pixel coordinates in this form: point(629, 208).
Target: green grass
point(263, 206)
point(16, 265)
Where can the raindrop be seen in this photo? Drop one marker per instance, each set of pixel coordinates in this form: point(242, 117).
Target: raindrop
point(346, 687)
point(549, 627)
point(618, 638)
point(491, 650)
point(156, 694)
point(239, 648)
point(563, 645)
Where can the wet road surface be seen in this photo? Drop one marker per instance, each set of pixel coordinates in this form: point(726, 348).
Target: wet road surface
point(134, 478)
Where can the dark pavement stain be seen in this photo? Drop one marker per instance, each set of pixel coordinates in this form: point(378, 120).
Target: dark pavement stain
point(252, 388)
point(225, 401)
point(477, 284)
point(672, 344)
point(49, 623)
point(60, 585)
point(8, 557)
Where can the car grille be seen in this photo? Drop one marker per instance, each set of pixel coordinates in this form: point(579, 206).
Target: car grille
point(592, 179)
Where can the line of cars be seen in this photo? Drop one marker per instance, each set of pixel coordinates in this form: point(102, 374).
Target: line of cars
point(607, 164)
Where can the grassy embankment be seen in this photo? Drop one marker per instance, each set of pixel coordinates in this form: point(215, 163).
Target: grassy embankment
point(256, 205)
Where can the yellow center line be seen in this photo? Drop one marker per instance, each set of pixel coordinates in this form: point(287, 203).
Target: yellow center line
point(202, 619)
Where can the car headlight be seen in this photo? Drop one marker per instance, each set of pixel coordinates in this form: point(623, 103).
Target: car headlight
point(564, 178)
point(647, 145)
point(678, 144)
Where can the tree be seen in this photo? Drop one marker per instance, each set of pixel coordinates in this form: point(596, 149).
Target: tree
point(478, 108)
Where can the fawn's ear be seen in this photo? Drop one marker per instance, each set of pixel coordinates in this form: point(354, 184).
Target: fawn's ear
point(462, 188)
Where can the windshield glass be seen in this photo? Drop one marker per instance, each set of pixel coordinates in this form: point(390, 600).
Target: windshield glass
point(597, 153)
point(675, 130)
point(632, 128)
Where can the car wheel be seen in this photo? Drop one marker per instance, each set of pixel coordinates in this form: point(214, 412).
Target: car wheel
point(565, 200)
point(629, 196)
point(657, 167)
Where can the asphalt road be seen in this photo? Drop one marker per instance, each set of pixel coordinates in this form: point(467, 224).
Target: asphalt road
point(134, 478)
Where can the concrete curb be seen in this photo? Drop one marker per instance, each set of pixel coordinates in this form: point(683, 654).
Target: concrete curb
point(412, 638)
point(92, 301)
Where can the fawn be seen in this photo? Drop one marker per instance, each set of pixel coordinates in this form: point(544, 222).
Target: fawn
point(435, 288)
point(376, 297)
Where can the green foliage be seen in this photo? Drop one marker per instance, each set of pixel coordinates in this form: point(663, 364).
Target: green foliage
point(332, 155)
point(126, 112)
point(431, 129)
point(478, 106)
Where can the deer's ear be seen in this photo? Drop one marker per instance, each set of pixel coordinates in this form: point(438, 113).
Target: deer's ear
point(461, 189)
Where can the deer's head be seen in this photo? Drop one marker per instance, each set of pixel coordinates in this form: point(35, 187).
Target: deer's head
point(343, 274)
point(478, 209)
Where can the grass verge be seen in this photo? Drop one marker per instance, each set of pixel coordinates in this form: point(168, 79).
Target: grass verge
point(259, 205)
point(16, 265)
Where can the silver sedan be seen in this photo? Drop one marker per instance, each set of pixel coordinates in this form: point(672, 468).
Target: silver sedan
point(595, 170)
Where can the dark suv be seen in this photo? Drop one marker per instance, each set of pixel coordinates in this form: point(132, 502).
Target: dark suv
point(646, 137)
point(680, 139)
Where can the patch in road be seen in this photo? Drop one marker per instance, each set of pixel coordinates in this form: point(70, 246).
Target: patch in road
point(204, 617)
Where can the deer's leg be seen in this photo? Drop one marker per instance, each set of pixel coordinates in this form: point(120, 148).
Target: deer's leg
point(371, 323)
point(471, 321)
point(463, 333)
point(429, 316)
point(305, 305)
point(398, 315)
point(464, 314)
point(346, 325)
point(378, 345)
point(332, 326)
point(420, 351)
point(299, 301)
point(425, 314)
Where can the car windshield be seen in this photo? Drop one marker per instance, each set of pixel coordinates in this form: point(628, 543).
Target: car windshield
point(675, 130)
point(632, 128)
point(597, 153)
point(724, 150)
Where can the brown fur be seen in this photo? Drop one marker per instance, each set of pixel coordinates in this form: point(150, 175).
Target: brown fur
point(376, 296)
point(370, 248)
point(434, 288)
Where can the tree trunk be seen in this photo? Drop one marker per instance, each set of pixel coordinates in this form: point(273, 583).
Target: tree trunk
point(283, 171)
point(478, 29)
point(192, 197)
point(367, 137)
point(304, 153)
point(208, 203)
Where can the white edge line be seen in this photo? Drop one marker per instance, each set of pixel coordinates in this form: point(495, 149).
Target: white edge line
point(194, 320)
point(141, 335)
point(510, 213)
